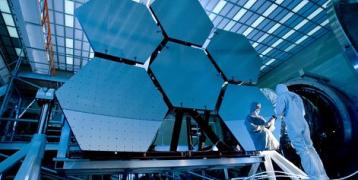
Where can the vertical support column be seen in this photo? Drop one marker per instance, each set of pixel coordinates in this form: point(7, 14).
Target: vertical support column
point(64, 140)
point(43, 119)
point(176, 130)
point(269, 167)
point(226, 173)
point(30, 168)
point(188, 132)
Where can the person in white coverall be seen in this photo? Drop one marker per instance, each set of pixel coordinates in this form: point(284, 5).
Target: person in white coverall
point(290, 106)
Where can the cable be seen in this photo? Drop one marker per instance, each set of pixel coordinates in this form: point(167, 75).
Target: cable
point(346, 177)
point(261, 174)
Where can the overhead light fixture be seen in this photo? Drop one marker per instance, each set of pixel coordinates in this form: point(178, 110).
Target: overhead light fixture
point(4, 6)
point(284, 19)
point(267, 51)
point(277, 43)
point(301, 39)
point(239, 14)
point(8, 19)
point(288, 34)
point(69, 20)
point(229, 25)
point(219, 6)
point(300, 6)
point(326, 4)
point(257, 22)
point(270, 10)
point(69, 7)
point(249, 3)
point(262, 67)
point(247, 31)
point(290, 47)
point(262, 38)
point(69, 60)
point(212, 16)
point(243, 10)
point(270, 62)
point(299, 25)
point(273, 28)
point(12, 32)
point(69, 43)
point(314, 30)
point(325, 22)
point(315, 13)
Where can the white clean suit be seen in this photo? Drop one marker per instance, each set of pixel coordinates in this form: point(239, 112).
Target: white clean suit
point(290, 106)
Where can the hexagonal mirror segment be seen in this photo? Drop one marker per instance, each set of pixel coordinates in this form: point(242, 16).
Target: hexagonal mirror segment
point(122, 28)
point(235, 56)
point(184, 20)
point(236, 107)
point(187, 76)
point(112, 106)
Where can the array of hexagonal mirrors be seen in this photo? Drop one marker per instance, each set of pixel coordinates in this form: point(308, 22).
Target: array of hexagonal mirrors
point(113, 106)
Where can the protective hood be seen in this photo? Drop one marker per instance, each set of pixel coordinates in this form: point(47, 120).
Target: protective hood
point(281, 88)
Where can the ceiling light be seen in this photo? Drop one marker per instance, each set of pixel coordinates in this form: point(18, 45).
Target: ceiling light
point(301, 39)
point(300, 6)
point(219, 6)
point(302, 23)
point(314, 30)
point(4, 6)
point(229, 25)
point(267, 51)
point(270, 62)
point(288, 34)
point(247, 31)
point(315, 13)
point(290, 47)
point(239, 14)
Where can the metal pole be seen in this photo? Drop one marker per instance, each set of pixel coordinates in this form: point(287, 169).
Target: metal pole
point(64, 140)
point(43, 119)
point(9, 87)
point(30, 168)
point(27, 107)
point(176, 130)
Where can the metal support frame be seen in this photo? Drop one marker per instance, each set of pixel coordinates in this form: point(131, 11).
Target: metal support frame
point(43, 119)
point(188, 132)
point(285, 164)
point(13, 159)
point(64, 140)
point(30, 168)
point(9, 86)
point(176, 130)
point(269, 168)
point(204, 125)
point(79, 167)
